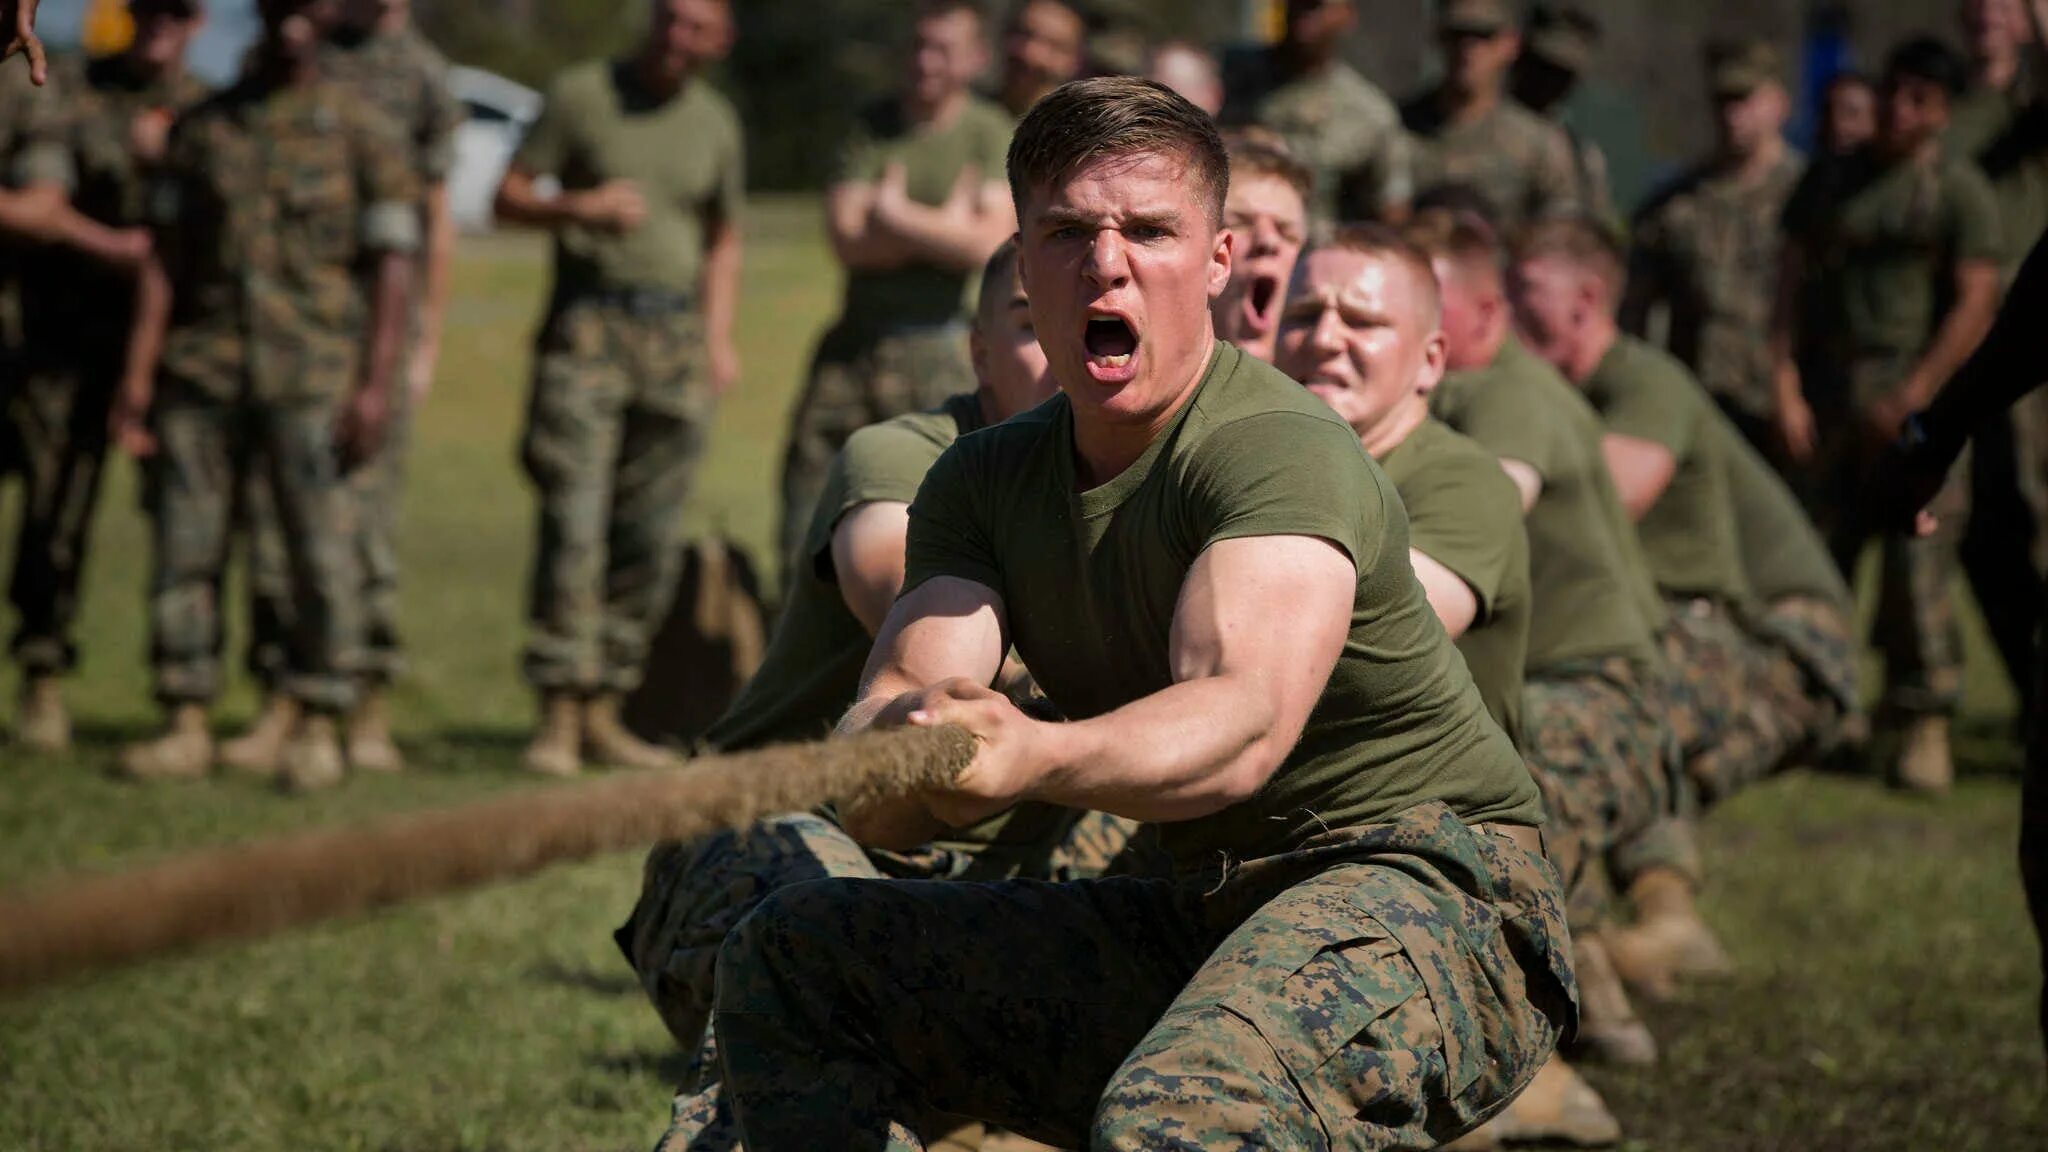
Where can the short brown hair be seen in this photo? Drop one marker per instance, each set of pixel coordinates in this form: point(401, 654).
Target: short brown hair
point(1580, 240)
point(1387, 243)
point(1463, 239)
point(1260, 152)
point(1084, 121)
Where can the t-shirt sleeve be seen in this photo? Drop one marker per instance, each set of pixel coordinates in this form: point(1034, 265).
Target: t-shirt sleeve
point(1649, 403)
point(545, 150)
point(949, 529)
point(1465, 515)
point(1514, 425)
point(995, 147)
point(731, 198)
point(1979, 234)
point(861, 155)
point(884, 462)
point(1288, 474)
point(390, 186)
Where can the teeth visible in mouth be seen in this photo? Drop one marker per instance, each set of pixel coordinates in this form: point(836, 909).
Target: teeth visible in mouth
point(1114, 361)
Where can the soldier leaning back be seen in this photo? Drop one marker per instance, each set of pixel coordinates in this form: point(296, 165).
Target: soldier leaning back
point(1322, 775)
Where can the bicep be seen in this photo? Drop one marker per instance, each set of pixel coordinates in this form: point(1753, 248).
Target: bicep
point(1225, 624)
point(1977, 284)
point(1642, 470)
point(1528, 481)
point(1453, 600)
point(945, 628)
point(846, 210)
point(867, 559)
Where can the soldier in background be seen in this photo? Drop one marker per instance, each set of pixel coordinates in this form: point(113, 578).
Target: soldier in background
point(378, 51)
point(257, 343)
point(1890, 277)
point(1705, 250)
point(2001, 121)
point(917, 205)
point(1266, 215)
point(630, 361)
point(1557, 48)
point(1334, 120)
point(1189, 70)
point(1848, 115)
point(93, 144)
point(1044, 46)
point(1468, 130)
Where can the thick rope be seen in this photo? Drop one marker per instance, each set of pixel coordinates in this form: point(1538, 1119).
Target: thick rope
point(70, 926)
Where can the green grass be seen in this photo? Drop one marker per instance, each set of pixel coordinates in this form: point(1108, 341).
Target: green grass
point(1884, 1002)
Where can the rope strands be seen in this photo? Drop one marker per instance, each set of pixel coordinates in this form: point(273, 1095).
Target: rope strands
point(69, 926)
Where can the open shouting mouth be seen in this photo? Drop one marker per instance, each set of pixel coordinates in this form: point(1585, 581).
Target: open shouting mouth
point(1112, 346)
point(1262, 304)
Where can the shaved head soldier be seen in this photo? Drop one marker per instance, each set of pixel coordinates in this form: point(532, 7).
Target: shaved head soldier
point(914, 208)
point(1339, 807)
point(1341, 125)
point(257, 340)
point(1266, 215)
point(1705, 250)
point(630, 361)
point(92, 146)
point(1468, 130)
point(1189, 70)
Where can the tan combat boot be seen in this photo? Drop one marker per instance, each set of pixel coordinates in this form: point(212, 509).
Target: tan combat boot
point(45, 724)
point(370, 747)
point(1924, 765)
point(606, 740)
point(312, 760)
point(557, 749)
point(1557, 1107)
point(1668, 940)
point(259, 752)
point(183, 752)
point(1608, 1025)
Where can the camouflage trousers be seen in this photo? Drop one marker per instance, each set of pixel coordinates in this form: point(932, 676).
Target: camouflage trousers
point(1596, 741)
point(1916, 627)
point(1716, 713)
point(693, 894)
point(860, 377)
point(1804, 692)
point(56, 428)
point(1381, 987)
point(615, 427)
point(206, 450)
point(377, 487)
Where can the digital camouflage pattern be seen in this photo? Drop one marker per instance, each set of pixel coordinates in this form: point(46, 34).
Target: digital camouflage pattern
point(1384, 986)
point(1346, 130)
point(1706, 249)
point(860, 378)
point(268, 205)
point(1797, 709)
point(1519, 161)
point(74, 333)
point(405, 78)
point(614, 430)
point(1594, 735)
point(1715, 668)
point(694, 894)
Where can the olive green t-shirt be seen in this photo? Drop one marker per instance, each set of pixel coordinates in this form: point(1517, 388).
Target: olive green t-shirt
point(1091, 580)
point(1887, 237)
point(1465, 514)
point(1783, 555)
point(932, 156)
point(685, 152)
point(1645, 393)
point(811, 672)
point(1591, 586)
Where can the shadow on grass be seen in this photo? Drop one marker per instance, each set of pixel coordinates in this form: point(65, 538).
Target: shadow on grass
point(667, 1066)
point(584, 979)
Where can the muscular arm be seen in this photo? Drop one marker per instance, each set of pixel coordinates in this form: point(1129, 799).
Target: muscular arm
point(867, 559)
point(519, 203)
point(1245, 680)
point(1976, 306)
point(128, 418)
point(849, 221)
point(721, 292)
point(1449, 596)
point(960, 234)
point(1528, 481)
point(1642, 470)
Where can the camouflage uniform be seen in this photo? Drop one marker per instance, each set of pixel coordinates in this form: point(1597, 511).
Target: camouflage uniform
point(1154, 1013)
point(694, 894)
point(406, 78)
point(1519, 161)
point(76, 322)
point(621, 397)
point(1344, 128)
point(269, 202)
point(1706, 248)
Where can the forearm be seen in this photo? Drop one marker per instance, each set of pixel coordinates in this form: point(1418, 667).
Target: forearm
point(1783, 342)
point(387, 322)
point(1186, 752)
point(1961, 331)
point(721, 289)
point(437, 268)
point(146, 333)
point(520, 205)
point(2011, 361)
point(930, 236)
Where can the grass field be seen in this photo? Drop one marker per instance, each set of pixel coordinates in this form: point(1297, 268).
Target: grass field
point(1884, 1002)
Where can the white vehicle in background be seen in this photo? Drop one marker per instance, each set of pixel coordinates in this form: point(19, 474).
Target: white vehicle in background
point(498, 113)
